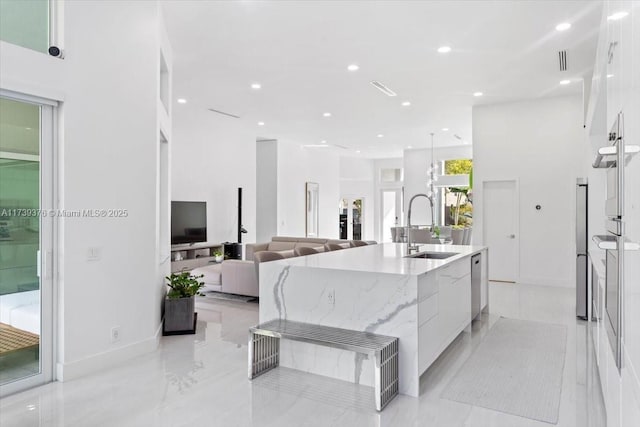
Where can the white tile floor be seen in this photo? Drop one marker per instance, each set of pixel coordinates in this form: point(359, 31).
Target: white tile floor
point(202, 380)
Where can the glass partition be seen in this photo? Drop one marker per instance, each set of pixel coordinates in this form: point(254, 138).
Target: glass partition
point(25, 23)
point(20, 297)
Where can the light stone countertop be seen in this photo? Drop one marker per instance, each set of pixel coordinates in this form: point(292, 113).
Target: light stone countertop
point(386, 258)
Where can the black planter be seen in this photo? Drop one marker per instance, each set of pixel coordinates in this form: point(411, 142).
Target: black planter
point(179, 316)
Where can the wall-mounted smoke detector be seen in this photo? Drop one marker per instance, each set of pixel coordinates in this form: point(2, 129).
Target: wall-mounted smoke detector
point(382, 88)
point(562, 56)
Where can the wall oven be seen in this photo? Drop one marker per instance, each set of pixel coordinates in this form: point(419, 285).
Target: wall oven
point(615, 172)
point(613, 319)
point(613, 158)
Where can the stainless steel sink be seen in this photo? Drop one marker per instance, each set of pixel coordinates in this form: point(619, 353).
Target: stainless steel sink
point(433, 255)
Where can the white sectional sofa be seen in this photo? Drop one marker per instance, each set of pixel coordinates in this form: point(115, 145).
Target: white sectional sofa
point(240, 276)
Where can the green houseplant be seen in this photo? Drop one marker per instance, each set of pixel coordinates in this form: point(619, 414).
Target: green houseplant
point(179, 304)
point(218, 255)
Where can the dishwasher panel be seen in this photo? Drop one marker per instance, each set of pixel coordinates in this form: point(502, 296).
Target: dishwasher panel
point(476, 280)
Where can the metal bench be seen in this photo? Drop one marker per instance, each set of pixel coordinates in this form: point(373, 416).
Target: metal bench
point(264, 350)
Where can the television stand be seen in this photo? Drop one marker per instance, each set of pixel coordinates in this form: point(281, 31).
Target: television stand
point(187, 257)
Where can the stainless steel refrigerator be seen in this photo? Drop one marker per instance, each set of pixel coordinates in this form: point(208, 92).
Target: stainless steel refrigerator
point(582, 260)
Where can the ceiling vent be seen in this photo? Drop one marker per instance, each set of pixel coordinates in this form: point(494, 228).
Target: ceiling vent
point(223, 113)
point(562, 56)
point(382, 88)
point(458, 137)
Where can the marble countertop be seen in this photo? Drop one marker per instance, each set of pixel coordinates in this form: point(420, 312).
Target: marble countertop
point(386, 258)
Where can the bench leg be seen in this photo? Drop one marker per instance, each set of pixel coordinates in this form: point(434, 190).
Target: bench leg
point(386, 375)
point(378, 379)
point(264, 354)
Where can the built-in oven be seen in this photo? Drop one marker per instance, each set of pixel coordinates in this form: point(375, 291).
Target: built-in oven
point(612, 157)
point(613, 303)
point(613, 206)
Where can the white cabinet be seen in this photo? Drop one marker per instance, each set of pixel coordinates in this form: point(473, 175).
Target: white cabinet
point(445, 312)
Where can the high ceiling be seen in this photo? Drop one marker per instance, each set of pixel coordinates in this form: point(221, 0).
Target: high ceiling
point(299, 52)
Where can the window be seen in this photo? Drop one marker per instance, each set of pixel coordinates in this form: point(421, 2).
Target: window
point(25, 23)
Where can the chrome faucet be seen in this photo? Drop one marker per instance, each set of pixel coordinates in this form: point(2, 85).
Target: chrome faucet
point(409, 213)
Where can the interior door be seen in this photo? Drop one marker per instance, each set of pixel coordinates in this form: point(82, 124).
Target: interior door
point(391, 212)
point(500, 213)
point(26, 243)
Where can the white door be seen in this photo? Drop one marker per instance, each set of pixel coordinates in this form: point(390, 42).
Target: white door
point(26, 242)
point(391, 212)
point(500, 213)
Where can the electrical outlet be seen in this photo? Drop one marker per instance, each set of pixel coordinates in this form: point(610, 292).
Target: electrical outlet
point(94, 254)
point(331, 296)
point(115, 334)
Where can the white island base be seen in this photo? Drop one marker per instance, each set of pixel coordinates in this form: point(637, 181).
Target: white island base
point(426, 303)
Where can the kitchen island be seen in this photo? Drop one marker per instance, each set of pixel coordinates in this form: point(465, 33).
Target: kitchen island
point(383, 289)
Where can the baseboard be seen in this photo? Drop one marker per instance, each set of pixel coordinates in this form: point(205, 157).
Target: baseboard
point(546, 281)
point(80, 368)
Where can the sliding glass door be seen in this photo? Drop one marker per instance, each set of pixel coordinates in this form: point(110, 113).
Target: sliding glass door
point(26, 242)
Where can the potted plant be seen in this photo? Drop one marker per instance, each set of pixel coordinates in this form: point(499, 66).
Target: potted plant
point(457, 234)
point(179, 304)
point(218, 255)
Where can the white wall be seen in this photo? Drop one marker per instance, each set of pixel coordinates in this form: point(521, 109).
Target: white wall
point(108, 151)
point(416, 166)
point(297, 165)
point(539, 143)
point(357, 181)
point(212, 156)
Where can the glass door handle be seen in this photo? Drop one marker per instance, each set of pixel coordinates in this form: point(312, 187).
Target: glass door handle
point(47, 265)
point(43, 264)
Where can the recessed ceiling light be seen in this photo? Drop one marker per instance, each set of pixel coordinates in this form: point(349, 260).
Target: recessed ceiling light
point(323, 141)
point(478, 93)
point(326, 114)
point(380, 135)
point(465, 142)
point(260, 123)
point(609, 76)
point(408, 146)
point(357, 151)
point(563, 27)
point(565, 82)
point(444, 49)
point(406, 103)
point(617, 15)
point(182, 101)
point(353, 67)
point(445, 129)
point(256, 86)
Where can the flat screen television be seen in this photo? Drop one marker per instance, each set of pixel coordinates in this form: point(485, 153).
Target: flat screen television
point(188, 222)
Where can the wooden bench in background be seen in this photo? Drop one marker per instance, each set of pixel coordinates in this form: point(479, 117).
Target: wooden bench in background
point(13, 339)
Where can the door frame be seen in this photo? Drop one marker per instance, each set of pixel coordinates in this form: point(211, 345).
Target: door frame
point(516, 221)
point(350, 199)
point(399, 207)
point(48, 263)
